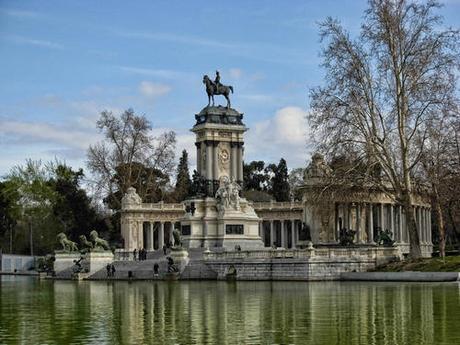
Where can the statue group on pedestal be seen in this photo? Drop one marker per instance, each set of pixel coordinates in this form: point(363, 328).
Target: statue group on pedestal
point(95, 244)
point(216, 88)
point(228, 195)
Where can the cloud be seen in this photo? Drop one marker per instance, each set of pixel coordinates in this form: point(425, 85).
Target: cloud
point(174, 38)
point(284, 135)
point(161, 73)
point(34, 42)
point(235, 73)
point(20, 13)
point(153, 90)
point(23, 132)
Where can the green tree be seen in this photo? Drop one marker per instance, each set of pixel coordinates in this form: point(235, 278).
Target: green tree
point(183, 181)
point(7, 219)
point(280, 181)
point(255, 176)
point(32, 198)
point(73, 207)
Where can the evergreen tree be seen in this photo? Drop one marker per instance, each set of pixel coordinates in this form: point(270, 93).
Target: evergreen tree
point(280, 181)
point(183, 181)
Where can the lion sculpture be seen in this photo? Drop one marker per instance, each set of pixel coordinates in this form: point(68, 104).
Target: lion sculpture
point(88, 245)
point(99, 243)
point(67, 245)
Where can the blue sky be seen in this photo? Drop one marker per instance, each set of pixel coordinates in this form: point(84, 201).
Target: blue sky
point(62, 62)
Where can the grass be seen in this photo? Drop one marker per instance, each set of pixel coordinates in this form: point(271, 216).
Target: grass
point(448, 264)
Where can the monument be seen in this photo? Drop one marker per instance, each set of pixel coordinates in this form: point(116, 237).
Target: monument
point(219, 216)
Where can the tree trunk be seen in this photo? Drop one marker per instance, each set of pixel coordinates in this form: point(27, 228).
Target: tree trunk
point(411, 224)
point(440, 221)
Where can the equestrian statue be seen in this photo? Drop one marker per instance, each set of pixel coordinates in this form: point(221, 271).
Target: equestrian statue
point(216, 88)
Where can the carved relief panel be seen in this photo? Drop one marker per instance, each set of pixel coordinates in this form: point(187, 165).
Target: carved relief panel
point(224, 159)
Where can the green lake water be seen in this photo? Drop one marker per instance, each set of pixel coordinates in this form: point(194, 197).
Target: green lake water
point(65, 312)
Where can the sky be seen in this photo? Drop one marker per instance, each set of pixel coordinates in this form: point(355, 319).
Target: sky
point(63, 62)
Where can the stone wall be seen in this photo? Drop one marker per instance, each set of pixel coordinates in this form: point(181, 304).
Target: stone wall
point(309, 265)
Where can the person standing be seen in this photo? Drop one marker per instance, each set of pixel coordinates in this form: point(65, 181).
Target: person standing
point(113, 270)
point(135, 254)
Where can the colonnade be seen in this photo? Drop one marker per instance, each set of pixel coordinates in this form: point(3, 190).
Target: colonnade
point(210, 170)
point(367, 218)
point(283, 233)
point(156, 234)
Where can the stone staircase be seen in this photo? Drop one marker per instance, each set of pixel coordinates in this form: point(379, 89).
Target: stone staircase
point(143, 270)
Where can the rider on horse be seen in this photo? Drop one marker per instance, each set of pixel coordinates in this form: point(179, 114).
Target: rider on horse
point(217, 81)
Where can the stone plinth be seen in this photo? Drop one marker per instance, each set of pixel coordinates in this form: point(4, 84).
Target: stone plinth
point(180, 257)
point(95, 261)
point(210, 227)
point(65, 261)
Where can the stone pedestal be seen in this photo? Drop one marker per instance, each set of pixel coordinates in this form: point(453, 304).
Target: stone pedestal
point(95, 261)
point(228, 227)
point(180, 257)
point(65, 261)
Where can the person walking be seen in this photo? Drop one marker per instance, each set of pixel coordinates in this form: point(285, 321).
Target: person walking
point(135, 254)
point(108, 270)
point(113, 270)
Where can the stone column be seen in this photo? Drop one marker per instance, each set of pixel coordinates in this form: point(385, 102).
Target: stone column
point(392, 222)
point(161, 237)
point(419, 224)
point(370, 235)
point(425, 224)
point(261, 229)
point(140, 235)
point(198, 158)
point(272, 234)
point(150, 245)
point(400, 225)
point(293, 231)
point(171, 229)
point(283, 235)
point(382, 217)
point(234, 161)
point(215, 160)
point(358, 223)
point(240, 162)
point(208, 161)
point(430, 240)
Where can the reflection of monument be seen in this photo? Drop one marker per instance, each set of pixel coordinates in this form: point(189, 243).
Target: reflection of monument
point(222, 217)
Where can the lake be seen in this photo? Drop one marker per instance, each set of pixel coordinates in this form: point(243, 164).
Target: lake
point(36, 311)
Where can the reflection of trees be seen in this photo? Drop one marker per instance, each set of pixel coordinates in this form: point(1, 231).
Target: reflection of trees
point(227, 313)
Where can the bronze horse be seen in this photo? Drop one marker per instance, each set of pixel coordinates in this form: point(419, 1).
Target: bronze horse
point(213, 89)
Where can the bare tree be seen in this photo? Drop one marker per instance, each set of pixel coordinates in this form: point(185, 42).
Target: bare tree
point(382, 89)
point(130, 156)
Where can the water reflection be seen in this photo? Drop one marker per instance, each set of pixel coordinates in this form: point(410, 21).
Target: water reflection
point(35, 311)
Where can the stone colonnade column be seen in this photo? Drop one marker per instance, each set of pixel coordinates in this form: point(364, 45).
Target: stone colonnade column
point(293, 232)
point(370, 235)
point(215, 154)
point(240, 162)
point(392, 221)
point(233, 161)
point(283, 235)
point(208, 174)
point(198, 158)
point(272, 234)
point(150, 242)
point(358, 223)
point(382, 217)
point(161, 237)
